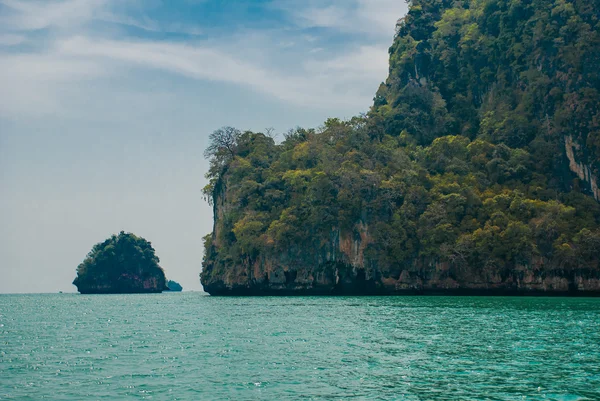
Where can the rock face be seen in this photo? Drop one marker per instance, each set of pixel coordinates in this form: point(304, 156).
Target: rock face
point(339, 266)
point(127, 284)
point(123, 264)
point(583, 171)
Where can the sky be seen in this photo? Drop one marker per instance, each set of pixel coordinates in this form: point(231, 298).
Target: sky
point(106, 107)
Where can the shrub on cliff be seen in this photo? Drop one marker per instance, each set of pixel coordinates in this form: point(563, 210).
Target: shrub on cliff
point(124, 263)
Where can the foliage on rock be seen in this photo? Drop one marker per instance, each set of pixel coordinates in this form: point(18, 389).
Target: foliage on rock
point(123, 263)
point(174, 286)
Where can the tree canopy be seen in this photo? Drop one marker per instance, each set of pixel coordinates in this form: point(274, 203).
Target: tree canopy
point(123, 263)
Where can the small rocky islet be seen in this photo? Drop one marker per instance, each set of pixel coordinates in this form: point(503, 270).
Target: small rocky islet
point(122, 264)
point(174, 286)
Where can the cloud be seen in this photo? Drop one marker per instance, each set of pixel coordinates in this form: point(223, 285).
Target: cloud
point(293, 66)
point(317, 83)
point(376, 18)
point(147, 24)
point(35, 15)
point(12, 40)
point(69, 14)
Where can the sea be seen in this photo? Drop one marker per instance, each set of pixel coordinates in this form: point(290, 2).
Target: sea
point(191, 346)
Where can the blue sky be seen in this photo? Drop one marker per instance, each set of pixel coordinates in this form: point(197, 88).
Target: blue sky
point(107, 105)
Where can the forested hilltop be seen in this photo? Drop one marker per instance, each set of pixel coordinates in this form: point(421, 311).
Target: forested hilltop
point(122, 264)
point(475, 171)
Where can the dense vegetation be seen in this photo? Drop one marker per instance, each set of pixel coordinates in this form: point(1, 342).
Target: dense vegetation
point(461, 161)
point(123, 263)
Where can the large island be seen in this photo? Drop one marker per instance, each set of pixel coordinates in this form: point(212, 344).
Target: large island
point(123, 264)
point(475, 171)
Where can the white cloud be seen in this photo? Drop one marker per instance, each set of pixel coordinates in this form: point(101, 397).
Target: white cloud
point(317, 84)
point(38, 82)
point(12, 39)
point(147, 24)
point(307, 75)
point(373, 17)
point(34, 15)
point(71, 14)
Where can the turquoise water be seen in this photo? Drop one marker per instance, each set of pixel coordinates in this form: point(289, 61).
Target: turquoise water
point(187, 346)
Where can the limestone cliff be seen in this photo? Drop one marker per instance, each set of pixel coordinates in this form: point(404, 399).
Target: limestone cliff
point(583, 171)
point(338, 265)
point(475, 171)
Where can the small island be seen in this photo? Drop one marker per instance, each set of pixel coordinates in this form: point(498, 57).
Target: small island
point(174, 286)
point(123, 264)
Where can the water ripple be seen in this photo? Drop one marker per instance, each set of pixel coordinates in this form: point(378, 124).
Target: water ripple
point(187, 346)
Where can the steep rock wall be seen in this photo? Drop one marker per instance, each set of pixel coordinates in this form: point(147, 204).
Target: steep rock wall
point(583, 171)
point(341, 266)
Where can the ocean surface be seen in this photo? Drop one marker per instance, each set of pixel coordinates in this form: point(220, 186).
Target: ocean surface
point(189, 346)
